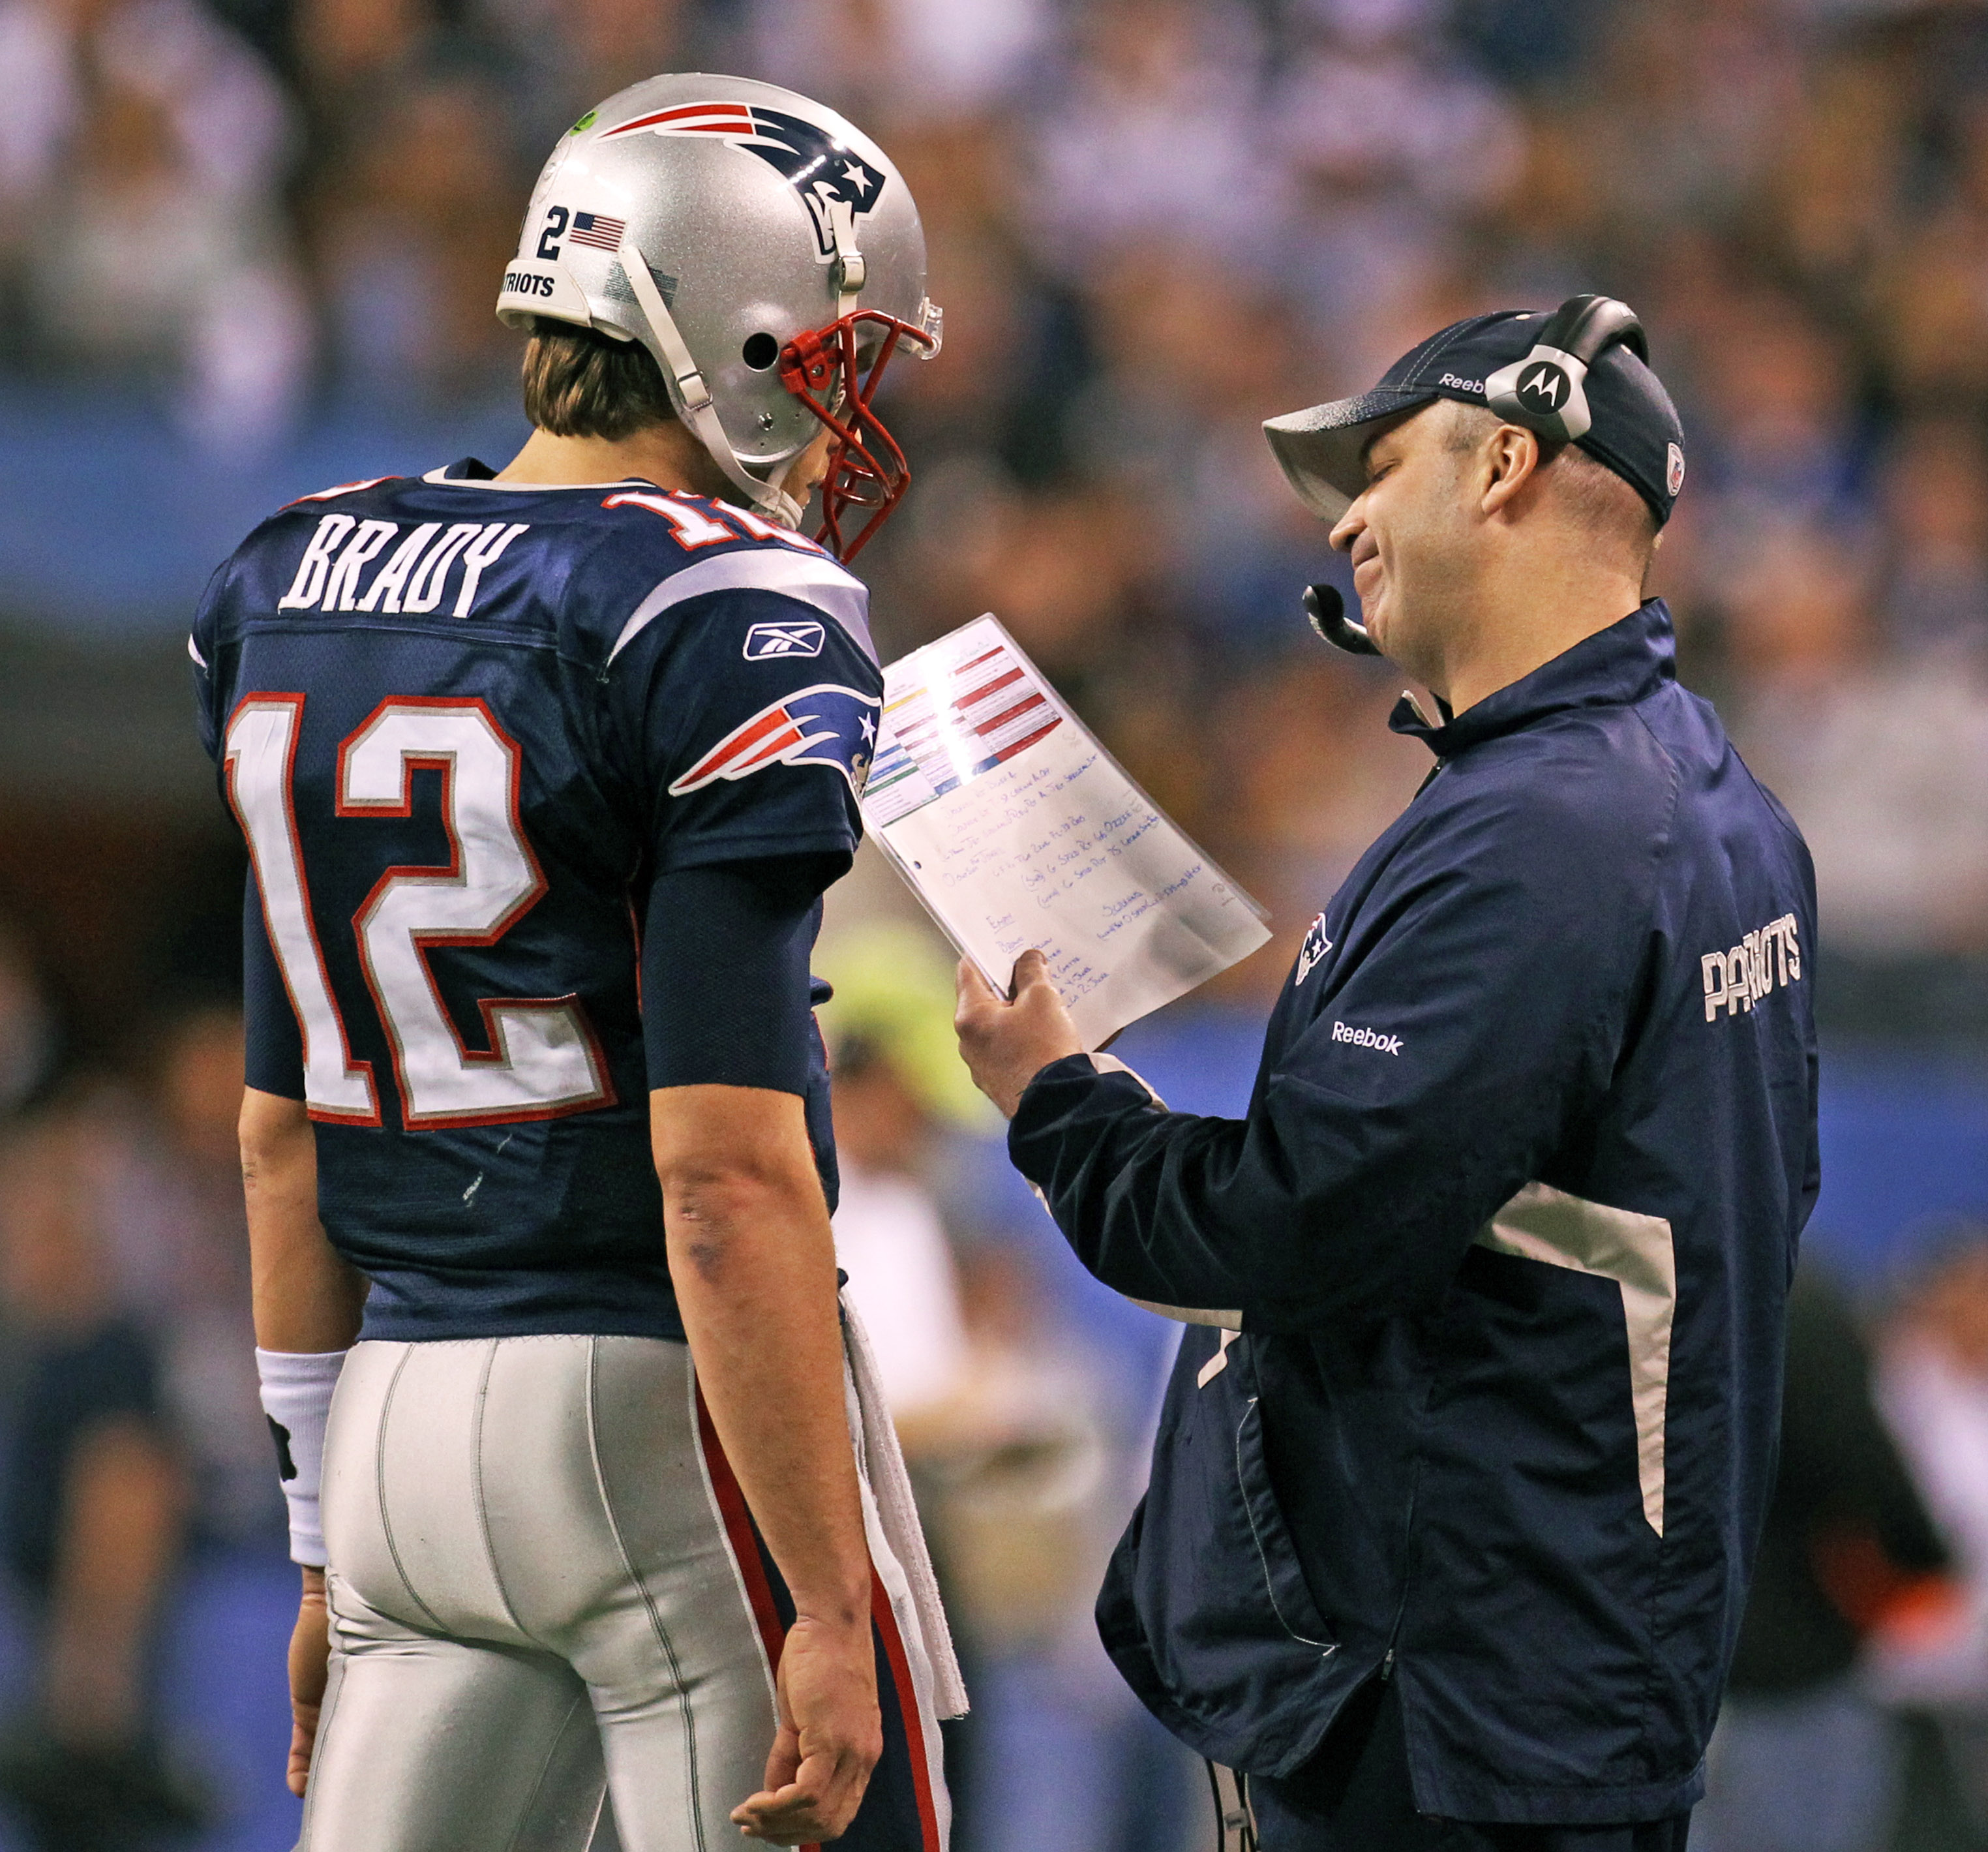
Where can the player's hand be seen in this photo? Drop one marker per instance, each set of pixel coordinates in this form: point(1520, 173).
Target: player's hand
point(310, 1662)
point(830, 1735)
point(1007, 1045)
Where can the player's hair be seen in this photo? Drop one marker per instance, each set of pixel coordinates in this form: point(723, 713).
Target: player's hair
point(581, 383)
point(1600, 502)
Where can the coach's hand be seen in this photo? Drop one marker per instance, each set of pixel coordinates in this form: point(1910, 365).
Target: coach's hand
point(1007, 1045)
point(830, 1735)
point(310, 1662)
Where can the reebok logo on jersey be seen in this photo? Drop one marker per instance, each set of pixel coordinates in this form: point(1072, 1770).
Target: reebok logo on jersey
point(826, 725)
point(1366, 1038)
point(1737, 979)
point(413, 578)
point(763, 642)
point(1312, 953)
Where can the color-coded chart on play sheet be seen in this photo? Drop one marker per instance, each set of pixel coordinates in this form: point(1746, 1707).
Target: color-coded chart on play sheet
point(952, 710)
point(1016, 829)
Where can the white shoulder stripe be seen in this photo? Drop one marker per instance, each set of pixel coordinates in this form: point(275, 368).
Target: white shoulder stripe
point(439, 475)
point(1636, 1252)
point(193, 650)
point(811, 579)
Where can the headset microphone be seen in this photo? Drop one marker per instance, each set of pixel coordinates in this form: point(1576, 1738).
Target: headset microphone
point(1326, 608)
point(1546, 390)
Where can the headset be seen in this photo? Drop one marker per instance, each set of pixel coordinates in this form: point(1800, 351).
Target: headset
point(1545, 392)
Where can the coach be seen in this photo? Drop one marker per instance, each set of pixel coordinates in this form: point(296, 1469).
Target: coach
point(1461, 1471)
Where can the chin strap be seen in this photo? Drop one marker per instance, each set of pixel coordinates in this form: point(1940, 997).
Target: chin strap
point(693, 396)
point(851, 273)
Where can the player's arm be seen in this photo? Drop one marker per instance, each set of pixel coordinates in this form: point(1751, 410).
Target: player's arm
point(307, 1299)
point(725, 1003)
point(754, 1265)
point(749, 759)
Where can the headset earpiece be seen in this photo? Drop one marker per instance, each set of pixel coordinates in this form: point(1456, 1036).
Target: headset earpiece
point(1546, 391)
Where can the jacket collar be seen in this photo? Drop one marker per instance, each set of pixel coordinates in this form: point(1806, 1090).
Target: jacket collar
point(1614, 667)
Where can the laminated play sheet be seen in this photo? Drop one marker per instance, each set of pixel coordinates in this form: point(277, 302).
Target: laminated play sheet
point(1016, 829)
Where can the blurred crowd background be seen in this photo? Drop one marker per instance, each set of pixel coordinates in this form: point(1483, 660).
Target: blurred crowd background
point(249, 248)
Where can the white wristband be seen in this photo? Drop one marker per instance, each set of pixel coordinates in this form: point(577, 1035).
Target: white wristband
point(296, 1397)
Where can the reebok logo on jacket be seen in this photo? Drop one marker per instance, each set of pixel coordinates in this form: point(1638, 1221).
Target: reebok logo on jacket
point(1366, 1038)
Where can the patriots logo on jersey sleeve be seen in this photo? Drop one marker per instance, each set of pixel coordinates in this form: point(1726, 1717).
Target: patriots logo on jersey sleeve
point(826, 725)
point(820, 168)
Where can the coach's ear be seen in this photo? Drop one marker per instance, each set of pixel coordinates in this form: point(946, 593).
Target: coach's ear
point(1506, 461)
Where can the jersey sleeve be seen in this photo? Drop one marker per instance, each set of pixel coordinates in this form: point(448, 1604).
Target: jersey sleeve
point(726, 995)
point(275, 1045)
point(749, 718)
point(202, 652)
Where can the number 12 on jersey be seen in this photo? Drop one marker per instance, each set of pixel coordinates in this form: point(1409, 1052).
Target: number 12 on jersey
point(542, 1061)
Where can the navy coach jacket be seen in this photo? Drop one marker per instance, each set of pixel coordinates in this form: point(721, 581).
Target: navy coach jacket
point(1507, 1236)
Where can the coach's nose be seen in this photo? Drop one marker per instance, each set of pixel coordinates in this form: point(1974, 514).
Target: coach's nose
point(1350, 529)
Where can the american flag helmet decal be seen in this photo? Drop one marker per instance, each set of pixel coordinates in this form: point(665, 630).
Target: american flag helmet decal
point(597, 229)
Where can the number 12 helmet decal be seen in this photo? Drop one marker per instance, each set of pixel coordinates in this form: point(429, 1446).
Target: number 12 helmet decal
point(769, 255)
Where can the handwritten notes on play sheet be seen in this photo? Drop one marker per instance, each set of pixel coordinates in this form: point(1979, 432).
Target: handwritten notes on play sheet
point(1016, 828)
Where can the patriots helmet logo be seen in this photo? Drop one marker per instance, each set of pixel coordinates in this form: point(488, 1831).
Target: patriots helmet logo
point(819, 168)
point(825, 725)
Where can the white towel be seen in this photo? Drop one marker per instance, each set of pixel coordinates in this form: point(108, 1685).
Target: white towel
point(883, 1464)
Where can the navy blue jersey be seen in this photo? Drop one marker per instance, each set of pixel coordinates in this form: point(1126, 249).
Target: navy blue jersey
point(464, 725)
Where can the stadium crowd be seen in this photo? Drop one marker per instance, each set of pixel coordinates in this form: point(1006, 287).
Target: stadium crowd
point(1152, 224)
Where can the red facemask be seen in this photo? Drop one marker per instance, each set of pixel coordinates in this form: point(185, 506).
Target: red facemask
point(867, 469)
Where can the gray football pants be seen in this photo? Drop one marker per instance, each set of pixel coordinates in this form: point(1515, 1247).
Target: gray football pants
point(545, 1589)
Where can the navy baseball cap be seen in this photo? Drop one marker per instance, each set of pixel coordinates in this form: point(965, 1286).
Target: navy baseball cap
point(1634, 430)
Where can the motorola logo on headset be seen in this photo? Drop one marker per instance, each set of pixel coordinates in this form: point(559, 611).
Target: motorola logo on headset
point(1544, 388)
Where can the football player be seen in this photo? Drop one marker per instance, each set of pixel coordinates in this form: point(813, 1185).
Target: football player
point(542, 772)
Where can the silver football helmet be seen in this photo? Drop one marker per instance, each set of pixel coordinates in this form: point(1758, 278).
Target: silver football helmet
point(769, 255)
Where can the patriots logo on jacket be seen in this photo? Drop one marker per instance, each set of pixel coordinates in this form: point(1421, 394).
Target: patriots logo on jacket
point(819, 167)
point(1312, 953)
point(826, 725)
